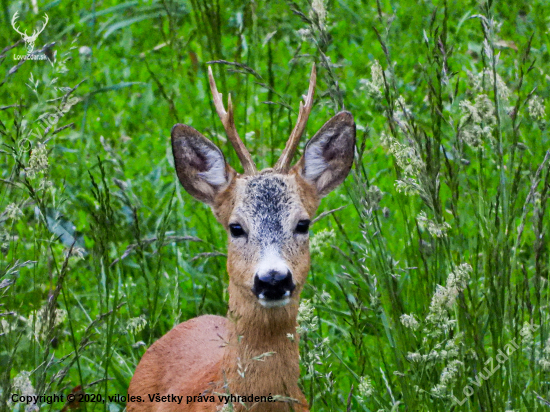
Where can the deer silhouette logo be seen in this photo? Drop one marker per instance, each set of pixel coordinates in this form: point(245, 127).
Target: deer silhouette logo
point(30, 40)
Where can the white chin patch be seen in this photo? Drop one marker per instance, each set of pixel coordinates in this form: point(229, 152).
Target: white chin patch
point(274, 303)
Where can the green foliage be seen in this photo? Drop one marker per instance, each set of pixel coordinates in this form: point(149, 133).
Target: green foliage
point(437, 264)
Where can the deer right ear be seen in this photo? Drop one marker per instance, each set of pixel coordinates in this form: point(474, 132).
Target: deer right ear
point(200, 165)
point(328, 156)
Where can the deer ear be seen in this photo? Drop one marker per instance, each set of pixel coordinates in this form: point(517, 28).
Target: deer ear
point(200, 165)
point(328, 155)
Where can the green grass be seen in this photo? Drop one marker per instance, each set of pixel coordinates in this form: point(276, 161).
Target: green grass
point(109, 252)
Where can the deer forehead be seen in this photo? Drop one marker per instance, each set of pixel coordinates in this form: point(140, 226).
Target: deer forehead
point(269, 203)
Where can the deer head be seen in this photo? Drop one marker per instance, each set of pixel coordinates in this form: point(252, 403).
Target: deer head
point(30, 40)
point(266, 214)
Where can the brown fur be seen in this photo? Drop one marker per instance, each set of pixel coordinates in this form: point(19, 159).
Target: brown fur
point(249, 352)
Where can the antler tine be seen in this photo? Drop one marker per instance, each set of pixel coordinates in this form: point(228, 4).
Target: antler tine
point(283, 164)
point(46, 18)
point(13, 20)
point(229, 125)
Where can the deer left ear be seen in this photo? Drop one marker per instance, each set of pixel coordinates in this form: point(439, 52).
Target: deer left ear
point(328, 155)
point(200, 165)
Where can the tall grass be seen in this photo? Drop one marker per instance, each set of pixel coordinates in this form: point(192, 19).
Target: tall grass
point(429, 282)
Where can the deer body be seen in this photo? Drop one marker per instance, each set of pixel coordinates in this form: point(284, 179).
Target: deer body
point(254, 350)
point(194, 349)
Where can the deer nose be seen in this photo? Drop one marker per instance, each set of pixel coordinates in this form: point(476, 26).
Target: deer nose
point(273, 286)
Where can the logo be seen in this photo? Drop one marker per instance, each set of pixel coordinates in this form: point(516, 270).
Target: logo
point(30, 40)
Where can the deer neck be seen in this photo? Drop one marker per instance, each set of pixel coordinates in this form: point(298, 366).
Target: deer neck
point(262, 355)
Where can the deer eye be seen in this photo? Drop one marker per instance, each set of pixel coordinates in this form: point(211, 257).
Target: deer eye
point(236, 230)
point(302, 226)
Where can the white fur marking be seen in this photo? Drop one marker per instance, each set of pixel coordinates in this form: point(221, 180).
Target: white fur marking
point(315, 163)
point(271, 261)
point(274, 303)
point(215, 175)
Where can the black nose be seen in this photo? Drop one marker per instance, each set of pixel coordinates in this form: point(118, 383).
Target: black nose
point(273, 285)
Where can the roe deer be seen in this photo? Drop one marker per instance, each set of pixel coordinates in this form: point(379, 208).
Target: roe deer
point(267, 215)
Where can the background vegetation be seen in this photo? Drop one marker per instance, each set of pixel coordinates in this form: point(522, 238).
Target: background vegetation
point(438, 261)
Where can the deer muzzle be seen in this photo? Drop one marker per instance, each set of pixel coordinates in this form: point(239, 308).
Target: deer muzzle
point(273, 288)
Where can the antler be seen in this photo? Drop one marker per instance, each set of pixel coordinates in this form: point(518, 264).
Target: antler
point(283, 163)
point(13, 20)
point(229, 125)
point(35, 34)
